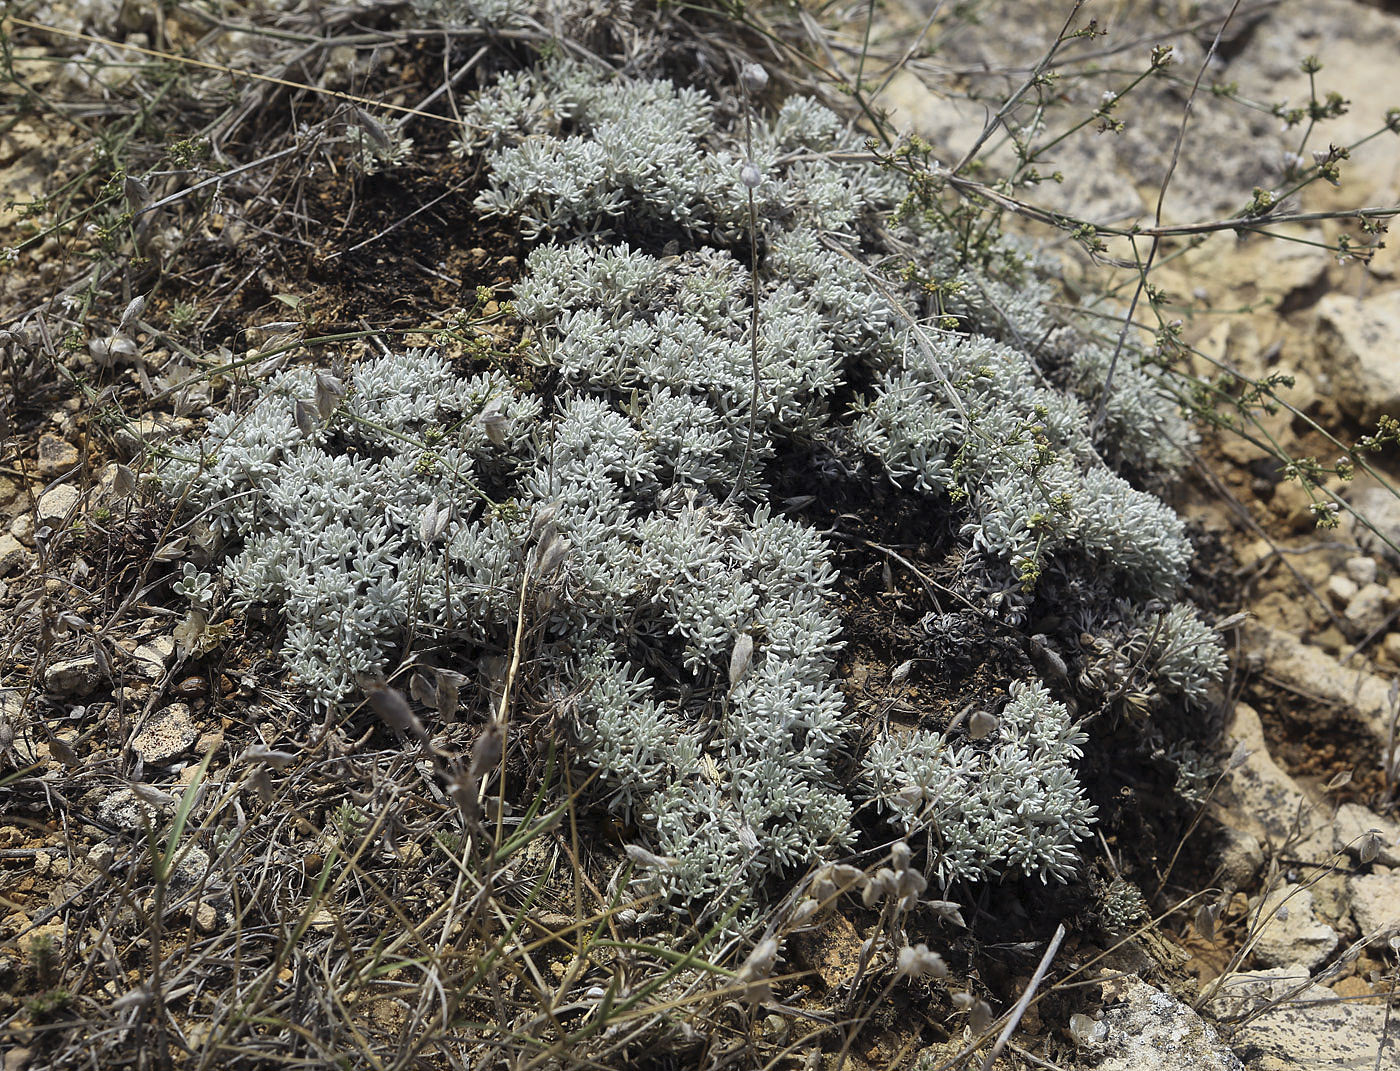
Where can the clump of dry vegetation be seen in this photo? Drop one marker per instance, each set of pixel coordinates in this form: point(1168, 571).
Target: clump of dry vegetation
point(321, 311)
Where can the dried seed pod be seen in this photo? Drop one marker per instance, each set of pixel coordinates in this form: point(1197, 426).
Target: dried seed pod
point(753, 77)
point(394, 710)
point(421, 690)
point(804, 912)
point(947, 910)
point(487, 751)
point(123, 480)
point(757, 969)
point(1087, 1032)
point(329, 392)
point(918, 962)
point(551, 555)
point(134, 308)
point(266, 756)
point(650, 860)
point(432, 522)
point(447, 692)
point(910, 796)
point(1370, 846)
point(981, 725)
point(740, 658)
point(305, 417)
point(493, 421)
point(1206, 915)
point(900, 854)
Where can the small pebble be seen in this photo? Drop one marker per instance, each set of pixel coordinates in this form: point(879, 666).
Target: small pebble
point(192, 687)
point(1362, 569)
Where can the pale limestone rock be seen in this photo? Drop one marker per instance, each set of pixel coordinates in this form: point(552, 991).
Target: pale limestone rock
point(1362, 569)
point(1259, 798)
point(57, 504)
point(22, 528)
point(1351, 692)
point(1390, 648)
point(1375, 902)
point(1239, 856)
point(191, 863)
point(1359, 349)
point(78, 676)
point(1302, 1027)
point(1341, 589)
point(152, 658)
point(1354, 821)
point(1382, 510)
point(125, 811)
point(166, 734)
point(1290, 929)
point(1368, 610)
point(206, 918)
point(1153, 1031)
point(56, 455)
point(14, 558)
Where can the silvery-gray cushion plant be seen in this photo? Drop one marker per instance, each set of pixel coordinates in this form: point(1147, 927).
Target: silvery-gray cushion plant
point(682, 628)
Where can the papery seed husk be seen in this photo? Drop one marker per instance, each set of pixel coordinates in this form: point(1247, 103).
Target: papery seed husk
point(447, 693)
point(172, 551)
point(642, 857)
point(154, 796)
point(760, 961)
point(805, 911)
point(395, 712)
point(981, 725)
point(329, 392)
point(122, 346)
point(260, 753)
point(979, 1018)
point(134, 308)
point(137, 193)
point(432, 521)
point(487, 751)
point(948, 911)
point(1370, 846)
point(371, 126)
point(1205, 921)
point(900, 854)
point(123, 480)
point(304, 416)
point(754, 77)
point(740, 658)
point(421, 690)
point(552, 556)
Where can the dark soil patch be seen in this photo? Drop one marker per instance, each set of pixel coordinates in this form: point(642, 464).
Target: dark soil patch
point(1317, 743)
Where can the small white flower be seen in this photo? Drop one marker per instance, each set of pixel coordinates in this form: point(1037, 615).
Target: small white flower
point(750, 176)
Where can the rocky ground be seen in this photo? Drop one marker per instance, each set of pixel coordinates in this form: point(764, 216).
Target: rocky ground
point(1285, 957)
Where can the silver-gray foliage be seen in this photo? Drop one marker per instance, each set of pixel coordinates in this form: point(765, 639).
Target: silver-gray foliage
point(686, 634)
